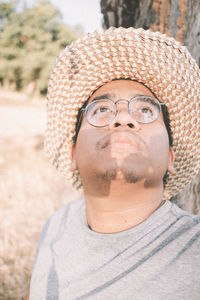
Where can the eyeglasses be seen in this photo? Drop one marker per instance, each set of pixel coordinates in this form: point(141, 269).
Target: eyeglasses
point(143, 109)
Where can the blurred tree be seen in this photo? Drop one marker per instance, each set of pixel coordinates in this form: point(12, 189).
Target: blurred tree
point(29, 43)
point(180, 19)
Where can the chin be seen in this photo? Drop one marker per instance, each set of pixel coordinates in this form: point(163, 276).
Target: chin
point(119, 174)
point(131, 177)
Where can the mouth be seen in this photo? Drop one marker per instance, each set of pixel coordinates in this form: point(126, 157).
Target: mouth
point(122, 140)
point(121, 147)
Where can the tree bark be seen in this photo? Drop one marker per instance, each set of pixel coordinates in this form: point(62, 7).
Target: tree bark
point(177, 18)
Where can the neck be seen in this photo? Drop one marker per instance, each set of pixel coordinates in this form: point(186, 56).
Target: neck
point(123, 207)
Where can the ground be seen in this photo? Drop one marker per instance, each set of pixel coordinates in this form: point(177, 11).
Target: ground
point(30, 189)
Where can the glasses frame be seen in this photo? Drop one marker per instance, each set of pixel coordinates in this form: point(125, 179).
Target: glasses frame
point(116, 110)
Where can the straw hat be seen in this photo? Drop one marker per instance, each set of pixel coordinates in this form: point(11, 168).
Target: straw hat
point(158, 61)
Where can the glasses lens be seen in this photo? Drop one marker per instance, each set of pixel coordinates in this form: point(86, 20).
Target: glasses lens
point(144, 109)
point(100, 112)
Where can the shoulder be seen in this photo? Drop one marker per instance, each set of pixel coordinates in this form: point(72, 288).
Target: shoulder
point(186, 224)
point(184, 215)
point(65, 212)
point(58, 221)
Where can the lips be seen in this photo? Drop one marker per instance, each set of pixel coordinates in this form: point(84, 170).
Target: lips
point(121, 139)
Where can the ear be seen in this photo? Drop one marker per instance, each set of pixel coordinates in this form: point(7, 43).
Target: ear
point(170, 168)
point(73, 159)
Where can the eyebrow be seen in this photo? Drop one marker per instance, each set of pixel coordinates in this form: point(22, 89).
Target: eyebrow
point(105, 96)
point(113, 95)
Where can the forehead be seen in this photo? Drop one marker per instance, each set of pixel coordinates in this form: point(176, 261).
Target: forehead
point(122, 89)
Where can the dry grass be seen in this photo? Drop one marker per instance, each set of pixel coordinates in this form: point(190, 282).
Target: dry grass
point(30, 191)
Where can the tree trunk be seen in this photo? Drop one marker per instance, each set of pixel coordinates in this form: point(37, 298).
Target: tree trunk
point(178, 18)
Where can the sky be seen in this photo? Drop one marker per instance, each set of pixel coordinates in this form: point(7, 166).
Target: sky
point(87, 13)
point(84, 12)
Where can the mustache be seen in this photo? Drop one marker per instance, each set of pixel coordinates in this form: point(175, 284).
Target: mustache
point(132, 137)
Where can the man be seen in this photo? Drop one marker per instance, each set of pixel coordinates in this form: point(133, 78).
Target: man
point(108, 128)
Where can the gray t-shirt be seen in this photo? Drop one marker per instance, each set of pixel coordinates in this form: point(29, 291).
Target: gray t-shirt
point(157, 259)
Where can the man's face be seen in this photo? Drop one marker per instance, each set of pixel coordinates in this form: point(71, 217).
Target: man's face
point(125, 150)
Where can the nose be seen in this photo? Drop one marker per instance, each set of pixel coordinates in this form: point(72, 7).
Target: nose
point(123, 118)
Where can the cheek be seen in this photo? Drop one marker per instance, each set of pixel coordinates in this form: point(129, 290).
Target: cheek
point(158, 144)
point(160, 140)
point(85, 144)
point(156, 133)
point(86, 136)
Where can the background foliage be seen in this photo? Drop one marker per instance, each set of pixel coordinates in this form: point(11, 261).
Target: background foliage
point(30, 39)
point(30, 189)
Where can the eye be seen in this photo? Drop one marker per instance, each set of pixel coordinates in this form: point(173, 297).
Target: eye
point(146, 110)
point(101, 109)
